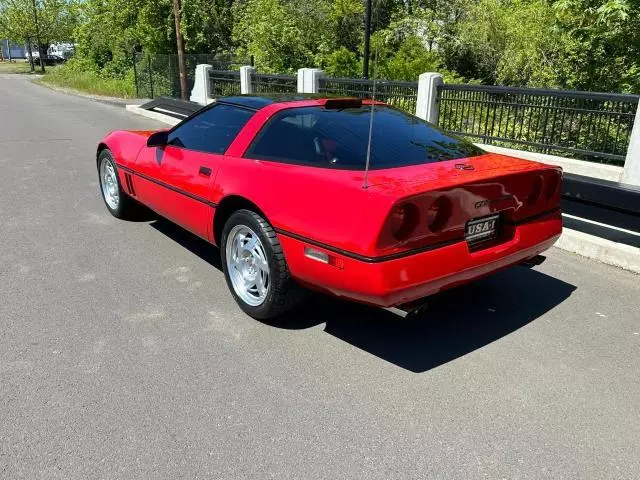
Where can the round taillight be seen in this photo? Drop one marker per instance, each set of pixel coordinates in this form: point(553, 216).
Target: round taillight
point(536, 190)
point(404, 220)
point(438, 214)
point(553, 182)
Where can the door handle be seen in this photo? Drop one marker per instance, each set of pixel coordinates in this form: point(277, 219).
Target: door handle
point(205, 171)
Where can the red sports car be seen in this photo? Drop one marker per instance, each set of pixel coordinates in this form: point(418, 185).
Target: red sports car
point(371, 204)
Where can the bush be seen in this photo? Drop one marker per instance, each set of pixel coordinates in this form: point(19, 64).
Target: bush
point(82, 75)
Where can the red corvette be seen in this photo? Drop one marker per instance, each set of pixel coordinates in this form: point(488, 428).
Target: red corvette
point(281, 185)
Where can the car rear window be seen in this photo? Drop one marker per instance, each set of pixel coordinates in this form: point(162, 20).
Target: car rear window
point(338, 139)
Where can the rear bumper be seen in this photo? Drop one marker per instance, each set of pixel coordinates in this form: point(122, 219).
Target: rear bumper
point(406, 279)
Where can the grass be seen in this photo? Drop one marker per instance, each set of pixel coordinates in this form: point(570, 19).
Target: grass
point(73, 77)
point(88, 82)
point(16, 66)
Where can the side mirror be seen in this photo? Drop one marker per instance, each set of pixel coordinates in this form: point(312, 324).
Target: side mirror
point(158, 139)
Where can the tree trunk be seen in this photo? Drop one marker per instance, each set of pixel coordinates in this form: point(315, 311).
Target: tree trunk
point(180, 45)
point(35, 21)
point(30, 55)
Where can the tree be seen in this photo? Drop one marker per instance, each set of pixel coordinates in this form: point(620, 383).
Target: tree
point(207, 26)
point(180, 49)
point(46, 21)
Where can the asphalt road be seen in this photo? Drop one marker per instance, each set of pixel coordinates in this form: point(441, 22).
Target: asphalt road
point(122, 356)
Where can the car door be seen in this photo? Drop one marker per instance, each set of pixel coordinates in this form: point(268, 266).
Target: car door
point(177, 180)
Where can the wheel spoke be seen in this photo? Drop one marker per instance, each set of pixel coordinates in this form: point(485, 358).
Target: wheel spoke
point(261, 283)
point(261, 263)
point(238, 245)
point(251, 244)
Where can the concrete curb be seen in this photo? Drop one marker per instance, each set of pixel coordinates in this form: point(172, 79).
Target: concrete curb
point(596, 248)
point(590, 246)
point(153, 115)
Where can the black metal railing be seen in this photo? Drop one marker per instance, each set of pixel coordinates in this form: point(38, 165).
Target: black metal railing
point(266, 83)
point(223, 83)
point(157, 75)
point(586, 125)
point(403, 95)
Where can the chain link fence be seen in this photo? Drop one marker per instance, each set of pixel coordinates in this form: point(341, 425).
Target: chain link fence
point(158, 75)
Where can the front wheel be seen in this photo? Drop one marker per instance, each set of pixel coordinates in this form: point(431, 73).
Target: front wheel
point(255, 268)
point(119, 204)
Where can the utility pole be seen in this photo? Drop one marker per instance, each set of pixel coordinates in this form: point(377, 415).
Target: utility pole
point(35, 21)
point(367, 37)
point(180, 44)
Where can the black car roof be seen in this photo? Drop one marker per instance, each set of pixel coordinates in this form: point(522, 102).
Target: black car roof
point(256, 102)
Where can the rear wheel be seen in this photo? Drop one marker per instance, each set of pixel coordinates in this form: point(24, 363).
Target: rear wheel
point(118, 203)
point(255, 268)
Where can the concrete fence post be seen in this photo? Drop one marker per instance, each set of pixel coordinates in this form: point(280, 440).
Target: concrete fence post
point(201, 87)
point(309, 80)
point(631, 172)
point(427, 105)
point(246, 76)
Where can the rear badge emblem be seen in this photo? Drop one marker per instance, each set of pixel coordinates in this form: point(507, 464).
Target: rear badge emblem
point(464, 166)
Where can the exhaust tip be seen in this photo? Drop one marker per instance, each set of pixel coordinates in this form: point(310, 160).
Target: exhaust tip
point(533, 261)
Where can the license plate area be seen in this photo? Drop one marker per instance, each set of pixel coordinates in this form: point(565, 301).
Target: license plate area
point(480, 230)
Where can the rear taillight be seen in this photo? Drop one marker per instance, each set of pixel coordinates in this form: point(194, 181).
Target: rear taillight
point(536, 190)
point(438, 214)
point(403, 220)
point(552, 186)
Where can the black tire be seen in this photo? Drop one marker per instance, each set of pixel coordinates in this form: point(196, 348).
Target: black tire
point(127, 207)
point(283, 294)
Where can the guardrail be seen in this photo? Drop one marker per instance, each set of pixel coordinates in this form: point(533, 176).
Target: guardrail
point(223, 83)
point(593, 126)
point(270, 83)
point(601, 128)
point(403, 95)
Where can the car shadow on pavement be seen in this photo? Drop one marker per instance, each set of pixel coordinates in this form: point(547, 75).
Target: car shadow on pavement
point(188, 240)
point(456, 322)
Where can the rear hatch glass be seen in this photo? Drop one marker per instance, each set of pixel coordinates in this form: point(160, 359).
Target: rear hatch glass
point(338, 138)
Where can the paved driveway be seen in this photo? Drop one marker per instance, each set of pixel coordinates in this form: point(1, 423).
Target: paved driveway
point(123, 356)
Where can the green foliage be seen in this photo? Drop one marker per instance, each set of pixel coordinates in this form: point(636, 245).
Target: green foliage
point(56, 20)
point(207, 25)
point(573, 44)
point(76, 76)
point(277, 38)
point(404, 51)
point(341, 63)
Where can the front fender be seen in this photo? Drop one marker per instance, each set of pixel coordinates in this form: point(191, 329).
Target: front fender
point(125, 145)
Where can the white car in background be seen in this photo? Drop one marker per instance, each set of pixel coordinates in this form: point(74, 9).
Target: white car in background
point(62, 50)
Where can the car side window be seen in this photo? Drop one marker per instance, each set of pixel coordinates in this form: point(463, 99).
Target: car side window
point(288, 137)
point(211, 131)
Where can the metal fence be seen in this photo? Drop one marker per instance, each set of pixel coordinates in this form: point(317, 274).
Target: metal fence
point(157, 75)
point(265, 83)
point(586, 125)
point(403, 95)
point(223, 83)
